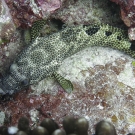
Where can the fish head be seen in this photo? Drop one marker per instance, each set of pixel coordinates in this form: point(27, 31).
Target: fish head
point(13, 81)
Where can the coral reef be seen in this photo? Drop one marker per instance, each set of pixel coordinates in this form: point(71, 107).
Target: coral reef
point(71, 126)
point(25, 12)
point(111, 94)
point(104, 85)
point(89, 11)
point(49, 6)
point(128, 15)
point(7, 26)
point(10, 50)
point(22, 12)
point(21, 38)
point(103, 80)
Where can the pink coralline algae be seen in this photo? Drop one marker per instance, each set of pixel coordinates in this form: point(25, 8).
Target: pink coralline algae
point(49, 6)
point(25, 12)
point(127, 11)
point(22, 12)
point(7, 26)
point(128, 15)
point(104, 97)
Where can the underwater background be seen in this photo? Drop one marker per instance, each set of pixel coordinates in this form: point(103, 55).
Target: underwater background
point(103, 78)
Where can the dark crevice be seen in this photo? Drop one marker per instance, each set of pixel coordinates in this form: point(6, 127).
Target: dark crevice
point(132, 47)
point(57, 22)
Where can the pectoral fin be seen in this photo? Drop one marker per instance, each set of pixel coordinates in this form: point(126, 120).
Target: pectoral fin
point(31, 34)
point(65, 84)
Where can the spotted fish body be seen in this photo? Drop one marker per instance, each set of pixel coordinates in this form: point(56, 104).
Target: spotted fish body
point(44, 56)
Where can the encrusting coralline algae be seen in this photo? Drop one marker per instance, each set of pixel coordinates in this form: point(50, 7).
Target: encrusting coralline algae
point(102, 88)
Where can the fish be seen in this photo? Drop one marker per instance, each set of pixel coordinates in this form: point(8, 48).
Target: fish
point(43, 56)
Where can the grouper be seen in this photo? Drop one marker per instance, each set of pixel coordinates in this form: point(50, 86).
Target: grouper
point(42, 57)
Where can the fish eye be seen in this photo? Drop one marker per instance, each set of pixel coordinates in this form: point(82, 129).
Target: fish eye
point(13, 68)
point(25, 82)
